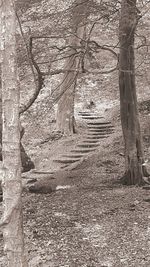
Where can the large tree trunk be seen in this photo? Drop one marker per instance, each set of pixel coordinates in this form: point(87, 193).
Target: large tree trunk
point(26, 162)
point(65, 113)
point(12, 216)
point(128, 99)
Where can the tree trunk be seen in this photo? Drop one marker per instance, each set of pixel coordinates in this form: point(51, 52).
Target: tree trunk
point(65, 113)
point(26, 162)
point(65, 120)
point(128, 98)
point(12, 188)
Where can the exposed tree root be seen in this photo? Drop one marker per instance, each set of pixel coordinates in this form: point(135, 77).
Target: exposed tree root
point(125, 180)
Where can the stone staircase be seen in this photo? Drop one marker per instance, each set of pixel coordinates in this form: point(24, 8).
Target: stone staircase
point(97, 130)
point(46, 181)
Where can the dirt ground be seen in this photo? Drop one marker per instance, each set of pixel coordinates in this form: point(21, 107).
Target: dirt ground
point(91, 220)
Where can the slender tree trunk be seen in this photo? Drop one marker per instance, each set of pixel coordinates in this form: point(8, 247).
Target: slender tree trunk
point(12, 216)
point(65, 113)
point(128, 98)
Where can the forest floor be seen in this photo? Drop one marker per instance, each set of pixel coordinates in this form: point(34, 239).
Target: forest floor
point(90, 220)
point(93, 221)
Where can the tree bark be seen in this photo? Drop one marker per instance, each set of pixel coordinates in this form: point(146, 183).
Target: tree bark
point(65, 121)
point(65, 113)
point(26, 162)
point(12, 188)
point(128, 98)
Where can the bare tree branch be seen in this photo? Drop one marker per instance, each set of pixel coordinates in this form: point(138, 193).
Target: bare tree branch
point(103, 47)
point(39, 82)
point(26, 46)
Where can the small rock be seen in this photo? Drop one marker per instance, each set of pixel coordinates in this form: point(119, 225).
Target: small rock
point(41, 189)
point(136, 202)
point(146, 187)
point(31, 181)
point(43, 186)
point(147, 199)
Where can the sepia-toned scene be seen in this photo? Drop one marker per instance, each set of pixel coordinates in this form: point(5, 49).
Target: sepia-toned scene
point(74, 133)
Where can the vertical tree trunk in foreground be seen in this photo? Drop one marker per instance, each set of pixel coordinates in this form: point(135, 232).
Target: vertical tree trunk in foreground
point(65, 113)
point(26, 161)
point(12, 216)
point(128, 99)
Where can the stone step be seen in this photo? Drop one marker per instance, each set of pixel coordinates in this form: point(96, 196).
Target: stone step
point(73, 156)
point(42, 172)
point(86, 113)
point(100, 127)
point(64, 166)
point(87, 145)
point(91, 118)
point(100, 131)
point(97, 137)
point(66, 161)
point(84, 151)
point(90, 141)
point(30, 181)
point(37, 175)
point(99, 123)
